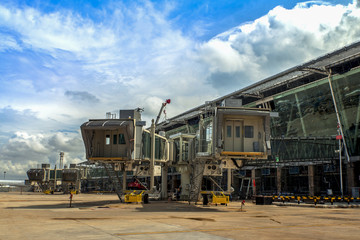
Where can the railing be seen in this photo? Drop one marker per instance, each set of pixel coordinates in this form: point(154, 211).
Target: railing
point(314, 199)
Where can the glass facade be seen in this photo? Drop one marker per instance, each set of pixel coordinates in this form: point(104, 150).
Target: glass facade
point(308, 112)
point(305, 111)
point(347, 94)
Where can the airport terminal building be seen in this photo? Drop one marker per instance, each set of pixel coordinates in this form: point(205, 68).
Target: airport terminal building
point(315, 109)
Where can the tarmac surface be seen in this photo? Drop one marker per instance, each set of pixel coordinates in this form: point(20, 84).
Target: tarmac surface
point(101, 216)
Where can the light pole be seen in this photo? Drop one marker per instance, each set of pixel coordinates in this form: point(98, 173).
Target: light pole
point(4, 174)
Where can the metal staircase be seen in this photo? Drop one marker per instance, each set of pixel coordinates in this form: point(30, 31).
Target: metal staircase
point(114, 178)
point(196, 180)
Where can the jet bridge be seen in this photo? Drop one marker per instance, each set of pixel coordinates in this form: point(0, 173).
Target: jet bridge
point(202, 143)
point(216, 139)
point(123, 145)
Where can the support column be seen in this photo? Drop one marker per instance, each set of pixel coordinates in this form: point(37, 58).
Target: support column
point(185, 182)
point(55, 179)
point(173, 184)
point(311, 173)
point(350, 175)
point(152, 159)
point(164, 183)
point(256, 180)
point(229, 178)
point(236, 184)
point(278, 180)
point(78, 186)
point(124, 181)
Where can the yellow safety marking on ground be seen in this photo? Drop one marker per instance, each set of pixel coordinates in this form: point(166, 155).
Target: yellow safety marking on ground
point(236, 229)
point(315, 198)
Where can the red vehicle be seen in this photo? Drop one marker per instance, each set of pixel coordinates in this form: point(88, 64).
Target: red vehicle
point(136, 185)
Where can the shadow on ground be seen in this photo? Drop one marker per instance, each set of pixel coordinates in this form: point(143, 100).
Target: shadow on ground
point(177, 207)
point(67, 205)
point(153, 206)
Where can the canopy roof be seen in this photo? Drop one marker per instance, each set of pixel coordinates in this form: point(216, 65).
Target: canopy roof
point(106, 123)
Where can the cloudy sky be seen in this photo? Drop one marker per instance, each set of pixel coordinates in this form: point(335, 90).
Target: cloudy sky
point(63, 62)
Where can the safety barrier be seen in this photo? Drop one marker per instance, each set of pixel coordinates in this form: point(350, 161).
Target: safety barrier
point(220, 198)
point(134, 197)
point(314, 199)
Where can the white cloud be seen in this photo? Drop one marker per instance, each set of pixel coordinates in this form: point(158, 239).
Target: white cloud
point(25, 150)
point(67, 68)
point(279, 40)
point(59, 30)
point(8, 42)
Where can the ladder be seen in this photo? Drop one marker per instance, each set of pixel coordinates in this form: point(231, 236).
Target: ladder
point(243, 182)
point(196, 180)
point(114, 178)
point(214, 181)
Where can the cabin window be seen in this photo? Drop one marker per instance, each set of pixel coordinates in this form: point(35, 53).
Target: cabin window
point(122, 139)
point(237, 131)
point(228, 131)
point(209, 132)
point(249, 131)
point(114, 139)
point(107, 140)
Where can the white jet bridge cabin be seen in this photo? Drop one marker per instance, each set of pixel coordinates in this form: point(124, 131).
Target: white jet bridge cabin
point(213, 138)
point(122, 145)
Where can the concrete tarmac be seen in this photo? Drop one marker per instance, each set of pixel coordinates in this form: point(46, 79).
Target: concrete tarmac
point(101, 216)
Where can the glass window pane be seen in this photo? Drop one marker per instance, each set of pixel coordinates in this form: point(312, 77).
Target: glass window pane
point(237, 131)
point(114, 139)
point(121, 139)
point(209, 132)
point(228, 131)
point(249, 131)
point(107, 140)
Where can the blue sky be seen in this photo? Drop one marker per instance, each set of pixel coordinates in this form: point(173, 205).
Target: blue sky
point(213, 16)
point(63, 62)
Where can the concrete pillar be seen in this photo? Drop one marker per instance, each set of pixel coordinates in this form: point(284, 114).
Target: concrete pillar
point(164, 183)
point(350, 176)
point(229, 178)
point(124, 180)
point(185, 183)
point(311, 173)
point(256, 181)
point(278, 180)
